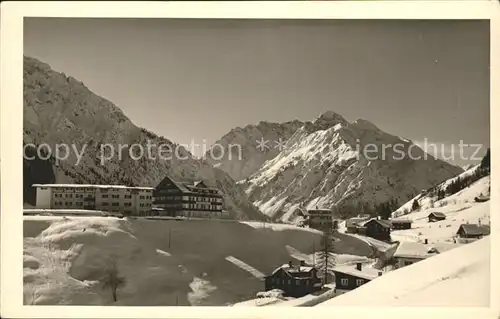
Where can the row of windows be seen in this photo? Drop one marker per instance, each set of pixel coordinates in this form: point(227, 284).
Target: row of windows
point(68, 195)
point(68, 204)
point(289, 281)
point(62, 189)
point(189, 198)
point(125, 196)
point(126, 204)
point(345, 281)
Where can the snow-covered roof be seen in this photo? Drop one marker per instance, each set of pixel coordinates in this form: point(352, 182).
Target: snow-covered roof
point(381, 222)
point(436, 281)
point(474, 229)
point(366, 272)
point(412, 250)
point(419, 250)
point(294, 270)
point(355, 221)
point(91, 186)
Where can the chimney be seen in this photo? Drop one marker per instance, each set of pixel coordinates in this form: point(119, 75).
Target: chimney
point(426, 241)
point(290, 264)
point(302, 263)
point(358, 266)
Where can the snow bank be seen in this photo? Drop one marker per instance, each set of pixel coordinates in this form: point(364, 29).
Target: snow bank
point(279, 227)
point(459, 277)
point(69, 263)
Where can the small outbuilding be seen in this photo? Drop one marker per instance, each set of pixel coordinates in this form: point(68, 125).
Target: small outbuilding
point(436, 216)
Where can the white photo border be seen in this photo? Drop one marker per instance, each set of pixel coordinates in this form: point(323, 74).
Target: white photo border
point(12, 14)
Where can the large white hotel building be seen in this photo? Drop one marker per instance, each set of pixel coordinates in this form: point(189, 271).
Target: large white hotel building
point(112, 198)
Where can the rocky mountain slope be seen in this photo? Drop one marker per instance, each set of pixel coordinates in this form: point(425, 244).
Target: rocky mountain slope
point(61, 110)
point(241, 152)
point(353, 166)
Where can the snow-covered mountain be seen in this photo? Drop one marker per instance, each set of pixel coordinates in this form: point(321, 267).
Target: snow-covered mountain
point(241, 152)
point(331, 162)
point(61, 109)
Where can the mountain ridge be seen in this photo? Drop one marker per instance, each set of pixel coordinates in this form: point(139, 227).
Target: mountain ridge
point(322, 165)
point(61, 110)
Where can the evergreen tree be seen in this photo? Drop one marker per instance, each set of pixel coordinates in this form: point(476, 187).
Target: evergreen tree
point(440, 194)
point(326, 254)
point(415, 205)
point(485, 162)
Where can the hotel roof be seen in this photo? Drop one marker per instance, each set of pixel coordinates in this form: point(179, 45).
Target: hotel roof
point(91, 186)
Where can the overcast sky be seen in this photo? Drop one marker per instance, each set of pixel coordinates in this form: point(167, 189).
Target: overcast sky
point(198, 79)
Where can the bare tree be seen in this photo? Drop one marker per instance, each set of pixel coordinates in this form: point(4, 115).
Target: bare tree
point(112, 279)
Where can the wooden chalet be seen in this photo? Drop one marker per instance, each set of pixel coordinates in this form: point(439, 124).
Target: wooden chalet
point(378, 228)
point(474, 231)
point(401, 224)
point(436, 216)
point(349, 277)
point(295, 280)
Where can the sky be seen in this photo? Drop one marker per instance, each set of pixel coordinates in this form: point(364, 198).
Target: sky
point(195, 80)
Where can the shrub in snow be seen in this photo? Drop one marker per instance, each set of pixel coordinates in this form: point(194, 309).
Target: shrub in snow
point(274, 293)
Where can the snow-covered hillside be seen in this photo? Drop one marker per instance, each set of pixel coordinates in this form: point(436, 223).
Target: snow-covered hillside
point(323, 164)
point(163, 262)
point(61, 109)
point(458, 277)
point(244, 142)
point(428, 199)
point(459, 208)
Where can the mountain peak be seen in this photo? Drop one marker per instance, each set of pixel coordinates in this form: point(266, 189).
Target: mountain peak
point(330, 116)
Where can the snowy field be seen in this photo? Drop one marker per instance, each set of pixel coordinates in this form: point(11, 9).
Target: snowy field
point(163, 262)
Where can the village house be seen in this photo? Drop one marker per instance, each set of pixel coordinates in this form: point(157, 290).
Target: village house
point(408, 253)
point(353, 224)
point(398, 224)
point(473, 231)
point(196, 199)
point(126, 200)
point(436, 216)
point(349, 277)
point(378, 228)
point(295, 280)
point(320, 219)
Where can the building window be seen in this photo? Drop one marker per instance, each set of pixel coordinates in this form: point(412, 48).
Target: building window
point(105, 196)
point(408, 263)
point(359, 282)
point(115, 204)
point(344, 281)
point(115, 196)
point(104, 204)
